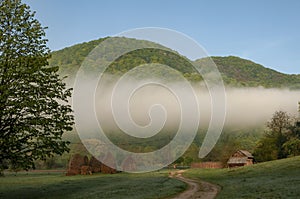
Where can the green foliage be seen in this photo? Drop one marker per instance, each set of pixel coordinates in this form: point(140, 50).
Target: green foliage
point(121, 185)
point(151, 56)
point(292, 146)
point(190, 155)
point(274, 179)
point(281, 139)
point(237, 72)
point(71, 58)
point(33, 110)
point(266, 150)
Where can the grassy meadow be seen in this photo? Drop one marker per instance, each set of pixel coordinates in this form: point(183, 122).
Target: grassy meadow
point(121, 185)
point(274, 179)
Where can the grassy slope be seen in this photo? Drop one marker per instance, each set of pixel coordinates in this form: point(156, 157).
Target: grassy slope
point(275, 179)
point(122, 185)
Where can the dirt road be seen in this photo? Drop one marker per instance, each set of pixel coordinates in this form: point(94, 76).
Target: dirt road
point(197, 189)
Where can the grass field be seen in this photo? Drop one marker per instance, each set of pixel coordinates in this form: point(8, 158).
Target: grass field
point(275, 179)
point(121, 185)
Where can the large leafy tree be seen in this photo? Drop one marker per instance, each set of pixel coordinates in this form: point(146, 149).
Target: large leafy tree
point(278, 130)
point(34, 110)
point(271, 145)
point(282, 138)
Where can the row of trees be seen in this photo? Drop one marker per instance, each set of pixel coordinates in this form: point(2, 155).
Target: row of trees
point(281, 139)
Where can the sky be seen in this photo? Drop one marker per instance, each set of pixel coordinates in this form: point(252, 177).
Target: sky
point(266, 32)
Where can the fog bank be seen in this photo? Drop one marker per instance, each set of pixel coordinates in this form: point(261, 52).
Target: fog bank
point(154, 103)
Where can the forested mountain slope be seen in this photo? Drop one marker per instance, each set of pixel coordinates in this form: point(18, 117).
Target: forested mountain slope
point(236, 72)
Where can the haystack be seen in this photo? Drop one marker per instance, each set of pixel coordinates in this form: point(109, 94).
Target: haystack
point(109, 160)
point(85, 170)
point(77, 161)
point(95, 165)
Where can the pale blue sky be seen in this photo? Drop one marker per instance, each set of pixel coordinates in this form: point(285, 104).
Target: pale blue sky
point(265, 31)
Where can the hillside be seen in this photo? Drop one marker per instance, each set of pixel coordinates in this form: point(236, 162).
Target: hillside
point(236, 72)
point(242, 72)
point(274, 179)
point(70, 59)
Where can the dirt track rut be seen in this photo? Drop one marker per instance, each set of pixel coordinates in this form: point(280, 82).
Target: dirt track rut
point(197, 189)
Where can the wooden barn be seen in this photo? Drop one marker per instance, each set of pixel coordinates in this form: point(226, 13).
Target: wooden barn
point(240, 158)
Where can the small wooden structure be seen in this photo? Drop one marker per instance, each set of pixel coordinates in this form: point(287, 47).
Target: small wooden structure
point(240, 158)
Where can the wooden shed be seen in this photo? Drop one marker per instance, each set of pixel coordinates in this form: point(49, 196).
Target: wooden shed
point(240, 158)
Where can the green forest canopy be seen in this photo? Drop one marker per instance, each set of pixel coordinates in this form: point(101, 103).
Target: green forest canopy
point(236, 72)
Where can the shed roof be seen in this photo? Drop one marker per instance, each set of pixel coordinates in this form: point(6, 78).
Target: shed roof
point(246, 153)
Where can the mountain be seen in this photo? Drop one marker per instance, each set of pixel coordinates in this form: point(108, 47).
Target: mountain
point(236, 72)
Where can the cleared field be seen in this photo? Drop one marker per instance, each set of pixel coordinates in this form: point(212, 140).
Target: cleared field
point(121, 185)
point(274, 179)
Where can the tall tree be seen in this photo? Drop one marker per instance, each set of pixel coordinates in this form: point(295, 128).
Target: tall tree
point(271, 146)
point(279, 128)
point(34, 110)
